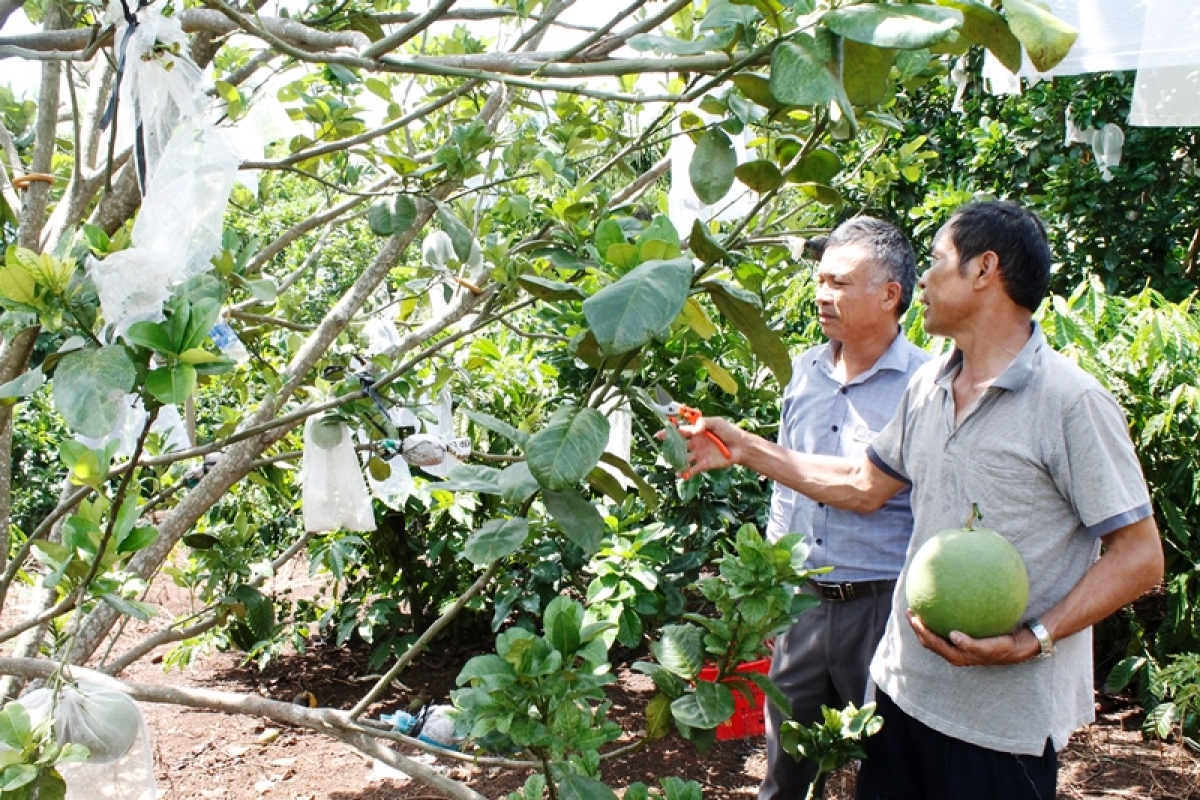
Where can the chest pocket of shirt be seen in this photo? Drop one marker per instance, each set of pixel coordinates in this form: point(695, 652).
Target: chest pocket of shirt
point(1004, 497)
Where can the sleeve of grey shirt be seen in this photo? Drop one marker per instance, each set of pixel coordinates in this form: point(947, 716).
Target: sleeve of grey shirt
point(887, 450)
point(1093, 462)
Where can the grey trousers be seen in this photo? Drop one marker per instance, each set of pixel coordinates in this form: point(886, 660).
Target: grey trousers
point(823, 659)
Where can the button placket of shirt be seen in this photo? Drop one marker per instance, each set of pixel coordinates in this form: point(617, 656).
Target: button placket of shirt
point(986, 399)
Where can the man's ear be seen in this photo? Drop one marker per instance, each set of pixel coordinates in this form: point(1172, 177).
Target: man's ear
point(987, 267)
point(891, 296)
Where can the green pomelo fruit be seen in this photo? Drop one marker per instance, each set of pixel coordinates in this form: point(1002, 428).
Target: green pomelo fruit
point(969, 580)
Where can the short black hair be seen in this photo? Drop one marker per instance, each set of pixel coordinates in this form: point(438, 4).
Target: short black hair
point(889, 248)
point(1016, 236)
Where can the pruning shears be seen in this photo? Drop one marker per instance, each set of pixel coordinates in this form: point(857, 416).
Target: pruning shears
point(675, 411)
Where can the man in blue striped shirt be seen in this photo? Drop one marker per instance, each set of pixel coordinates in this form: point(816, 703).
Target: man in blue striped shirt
point(841, 394)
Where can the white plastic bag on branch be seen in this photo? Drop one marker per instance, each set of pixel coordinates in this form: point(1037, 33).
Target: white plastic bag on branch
point(335, 493)
point(160, 85)
point(107, 722)
point(393, 490)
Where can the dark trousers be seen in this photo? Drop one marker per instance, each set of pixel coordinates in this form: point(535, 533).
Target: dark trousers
point(908, 760)
point(823, 659)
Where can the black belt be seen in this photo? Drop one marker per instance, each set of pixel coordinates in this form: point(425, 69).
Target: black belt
point(851, 591)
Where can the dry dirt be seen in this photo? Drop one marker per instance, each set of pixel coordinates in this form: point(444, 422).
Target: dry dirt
point(209, 755)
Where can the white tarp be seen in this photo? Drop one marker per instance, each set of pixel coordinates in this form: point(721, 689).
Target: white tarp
point(1155, 37)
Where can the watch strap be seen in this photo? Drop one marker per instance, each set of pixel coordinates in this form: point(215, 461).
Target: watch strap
point(1045, 643)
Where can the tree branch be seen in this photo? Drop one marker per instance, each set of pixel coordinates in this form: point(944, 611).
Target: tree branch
point(412, 29)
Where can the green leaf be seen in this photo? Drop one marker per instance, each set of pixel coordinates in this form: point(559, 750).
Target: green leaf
point(713, 163)
point(907, 27)
point(705, 708)
point(495, 539)
point(1047, 38)
point(152, 336)
point(486, 668)
point(471, 478)
point(747, 318)
point(123, 606)
point(389, 216)
point(680, 650)
point(1123, 673)
point(818, 166)
point(264, 289)
point(581, 787)
point(984, 25)
point(14, 726)
point(23, 385)
point(16, 776)
point(800, 75)
point(563, 621)
point(760, 176)
point(578, 519)
point(546, 289)
point(770, 691)
point(866, 71)
point(137, 539)
point(608, 233)
point(517, 483)
point(90, 388)
point(658, 718)
point(622, 255)
point(259, 614)
point(674, 449)
point(756, 88)
point(703, 246)
point(640, 306)
point(51, 786)
point(201, 541)
point(460, 234)
point(497, 426)
point(564, 452)
point(825, 195)
point(172, 384)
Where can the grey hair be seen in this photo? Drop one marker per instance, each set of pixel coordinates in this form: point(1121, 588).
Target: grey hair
point(889, 249)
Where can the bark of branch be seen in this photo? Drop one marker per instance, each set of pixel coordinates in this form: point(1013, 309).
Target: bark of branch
point(394, 40)
point(7, 7)
point(37, 195)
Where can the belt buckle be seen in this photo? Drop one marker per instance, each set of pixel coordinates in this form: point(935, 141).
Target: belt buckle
point(838, 592)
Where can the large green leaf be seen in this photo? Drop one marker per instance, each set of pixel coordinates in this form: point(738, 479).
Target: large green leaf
point(563, 622)
point(495, 539)
point(577, 518)
point(90, 386)
point(865, 72)
point(546, 289)
point(460, 234)
point(760, 176)
point(1047, 38)
point(713, 163)
point(680, 650)
point(703, 245)
point(984, 25)
point(640, 306)
point(471, 478)
point(566, 450)
point(801, 76)
point(517, 483)
point(756, 88)
point(497, 426)
point(172, 385)
point(706, 708)
point(819, 165)
point(747, 317)
point(152, 336)
point(389, 216)
point(906, 27)
point(581, 787)
point(23, 385)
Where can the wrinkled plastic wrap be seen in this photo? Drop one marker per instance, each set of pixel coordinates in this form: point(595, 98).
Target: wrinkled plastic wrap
point(393, 490)
point(131, 419)
point(335, 494)
point(110, 724)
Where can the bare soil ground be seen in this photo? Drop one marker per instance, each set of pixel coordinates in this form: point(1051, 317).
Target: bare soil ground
point(210, 755)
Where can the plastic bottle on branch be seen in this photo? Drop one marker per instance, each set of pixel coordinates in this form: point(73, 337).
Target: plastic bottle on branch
point(227, 341)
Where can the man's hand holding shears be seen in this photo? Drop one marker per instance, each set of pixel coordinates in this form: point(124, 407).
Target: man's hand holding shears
point(712, 441)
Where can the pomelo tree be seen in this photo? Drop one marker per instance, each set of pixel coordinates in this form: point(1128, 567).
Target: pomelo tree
point(461, 205)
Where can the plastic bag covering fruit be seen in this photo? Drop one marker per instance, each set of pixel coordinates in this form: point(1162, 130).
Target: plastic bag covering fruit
point(334, 491)
point(102, 719)
point(968, 579)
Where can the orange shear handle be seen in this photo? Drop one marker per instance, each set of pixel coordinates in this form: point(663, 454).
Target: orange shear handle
point(691, 415)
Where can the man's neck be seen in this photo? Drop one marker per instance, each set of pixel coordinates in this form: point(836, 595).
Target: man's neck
point(989, 348)
point(853, 358)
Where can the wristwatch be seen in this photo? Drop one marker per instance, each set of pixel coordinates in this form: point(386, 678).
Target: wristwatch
point(1045, 643)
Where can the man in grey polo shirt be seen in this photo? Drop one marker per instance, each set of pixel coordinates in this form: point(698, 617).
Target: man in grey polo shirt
point(841, 395)
point(1007, 423)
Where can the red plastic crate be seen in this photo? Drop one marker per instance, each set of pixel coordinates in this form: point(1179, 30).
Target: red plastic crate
point(747, 719)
